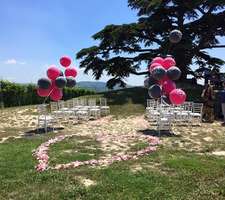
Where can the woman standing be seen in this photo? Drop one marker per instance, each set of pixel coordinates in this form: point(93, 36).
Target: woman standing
point(208, 105)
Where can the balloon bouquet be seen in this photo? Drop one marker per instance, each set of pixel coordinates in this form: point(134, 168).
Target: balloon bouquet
point(54, 84)
point(163, 73)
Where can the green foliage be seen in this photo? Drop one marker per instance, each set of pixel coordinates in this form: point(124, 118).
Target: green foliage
point(123, 48)
point(14, 94)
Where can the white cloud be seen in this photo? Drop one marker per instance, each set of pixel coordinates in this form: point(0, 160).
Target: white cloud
point(22, 63)
point(13, 61)
point(10, 62)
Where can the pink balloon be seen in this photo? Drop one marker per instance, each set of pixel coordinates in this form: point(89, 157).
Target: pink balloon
point(177, 97)
point(169, 62)
point(153, 65)
point(65, 61)
point(53, 72)
point(53, 87)
point(71, 72)
point(43, 92)
point(168, 86)
point(56, 94)
point(158, 60)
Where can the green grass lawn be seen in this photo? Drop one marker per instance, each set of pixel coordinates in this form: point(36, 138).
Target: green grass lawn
point(75, 148)
point(168, 173)
point(164, 174)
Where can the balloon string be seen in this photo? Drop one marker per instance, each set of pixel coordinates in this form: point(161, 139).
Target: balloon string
point(48, 96)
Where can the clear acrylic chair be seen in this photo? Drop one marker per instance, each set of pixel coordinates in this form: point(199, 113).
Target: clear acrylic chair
point(105, 109)
point(152, 110)
point(61, 105)
point(45, 120)
point(165, 121)
point(94, 110)
point(197, 113)
point(53, 106)
point(183, 114)
point(92, 102)
point(82, 115)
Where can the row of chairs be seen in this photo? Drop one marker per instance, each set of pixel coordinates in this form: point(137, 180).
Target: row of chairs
point(71, 111)
point(165, 116)
point(83, 109)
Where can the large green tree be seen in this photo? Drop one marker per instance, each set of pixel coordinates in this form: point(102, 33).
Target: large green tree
point(122, 49)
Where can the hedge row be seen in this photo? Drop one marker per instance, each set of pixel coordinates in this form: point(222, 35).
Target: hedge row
point(14, 94)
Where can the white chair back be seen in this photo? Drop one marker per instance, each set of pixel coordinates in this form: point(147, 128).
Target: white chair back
point(75, 102)
point(197, 108)
point(82, 102)
point(42, 109)
point(151, 103)
point(69, 104)
point(103, 102)
point(91, 102)
point(187, 106)
point(53, 106)
point(61, 105)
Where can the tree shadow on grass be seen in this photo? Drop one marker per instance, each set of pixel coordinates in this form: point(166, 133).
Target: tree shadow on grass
point(41, 131)
point(152, 132)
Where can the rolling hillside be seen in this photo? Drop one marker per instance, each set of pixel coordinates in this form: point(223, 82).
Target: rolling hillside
point(97, 86)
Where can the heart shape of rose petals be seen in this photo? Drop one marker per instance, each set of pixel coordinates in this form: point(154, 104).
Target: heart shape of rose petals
point(41, 154)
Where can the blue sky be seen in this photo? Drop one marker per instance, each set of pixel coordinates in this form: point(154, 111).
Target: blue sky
point(35, 34)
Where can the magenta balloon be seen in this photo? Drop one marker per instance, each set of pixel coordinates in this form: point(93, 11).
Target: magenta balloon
point(169, 62)
point(65, 61)
point(154, 65)
point(43, 92)
point(168, 86)
point(158, 60)
point(177, 97)
point(71, 72)
point(53, 72)
point(56, 94)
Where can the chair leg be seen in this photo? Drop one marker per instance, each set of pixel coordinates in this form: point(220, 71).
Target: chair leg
point(38, 127)
point(46, 127)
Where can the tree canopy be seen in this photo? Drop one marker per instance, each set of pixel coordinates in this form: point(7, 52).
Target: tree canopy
point(122, 49)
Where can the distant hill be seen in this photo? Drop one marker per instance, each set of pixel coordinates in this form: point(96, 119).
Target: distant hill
point(97, 86)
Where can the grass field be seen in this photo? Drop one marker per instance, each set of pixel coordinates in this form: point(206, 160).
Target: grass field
point(183, 167)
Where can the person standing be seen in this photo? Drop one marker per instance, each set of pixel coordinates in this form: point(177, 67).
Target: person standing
point(208, 103)
point(222, 99)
